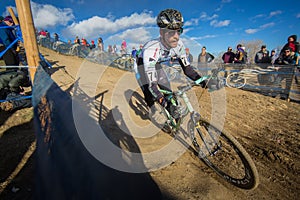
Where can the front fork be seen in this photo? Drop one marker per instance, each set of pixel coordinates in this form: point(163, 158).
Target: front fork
point(211, 145)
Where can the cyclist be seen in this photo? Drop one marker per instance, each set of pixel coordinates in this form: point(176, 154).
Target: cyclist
point(169, 45)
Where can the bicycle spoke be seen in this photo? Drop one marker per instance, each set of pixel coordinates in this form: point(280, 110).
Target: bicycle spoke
point(223, 154)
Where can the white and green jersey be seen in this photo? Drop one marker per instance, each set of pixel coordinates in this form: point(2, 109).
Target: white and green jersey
point(154, 53)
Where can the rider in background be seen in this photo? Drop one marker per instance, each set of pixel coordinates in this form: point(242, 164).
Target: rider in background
point(168, 45)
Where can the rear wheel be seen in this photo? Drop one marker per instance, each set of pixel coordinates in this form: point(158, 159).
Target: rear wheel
point(224, 154)
point(235, 80)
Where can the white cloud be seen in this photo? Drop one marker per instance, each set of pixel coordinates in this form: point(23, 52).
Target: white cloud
point(203, 37)
point(298, 15)
point(191, 22)
point(138, 35)
point(205, 17)
point(45, 15)
point(134, 37)
point(216, 23)
point(278, 12)
point(96, 25)
point(257, 17)
point(251, 30)
point(262, 27)
point(267, 25)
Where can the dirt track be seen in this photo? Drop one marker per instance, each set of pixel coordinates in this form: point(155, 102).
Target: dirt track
point(267, 127)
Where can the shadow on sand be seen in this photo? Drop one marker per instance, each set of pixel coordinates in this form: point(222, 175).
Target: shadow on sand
point(65, 168)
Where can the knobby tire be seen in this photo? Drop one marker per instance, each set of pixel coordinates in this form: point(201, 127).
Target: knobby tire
point(248, 179)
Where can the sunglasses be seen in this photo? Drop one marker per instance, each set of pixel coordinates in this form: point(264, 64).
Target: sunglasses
point(287, 51)
point(172, 32)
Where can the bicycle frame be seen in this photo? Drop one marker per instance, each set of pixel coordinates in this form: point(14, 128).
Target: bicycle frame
point(188, 108)
point(212, 145)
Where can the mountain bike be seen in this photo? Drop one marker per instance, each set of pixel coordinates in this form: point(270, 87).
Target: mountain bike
point(218, 149)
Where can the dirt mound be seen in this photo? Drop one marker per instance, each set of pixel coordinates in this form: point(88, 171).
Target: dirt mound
point(267, 127)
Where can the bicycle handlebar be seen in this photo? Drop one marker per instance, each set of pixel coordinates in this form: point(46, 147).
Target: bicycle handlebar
point(189, 85)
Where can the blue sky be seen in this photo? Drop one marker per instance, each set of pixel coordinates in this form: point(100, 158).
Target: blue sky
point(215, 24)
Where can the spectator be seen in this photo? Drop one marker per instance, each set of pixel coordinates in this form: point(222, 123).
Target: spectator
point(203, 59)
point(273, 56)
point(6, 38)
point(75, 50)
point(1, 19)
point(84, 42)
point(110, 49)
point(286, 58)
point(123, 47)
point(9, 21)
point(115, 49)
point(92, 45)
point(262, 56)
point(139, 51)
point(100, 44)
point(240, 55)
point(292, 44)
point(77, 40)
point(56, 37)
point(228, 57)
point(286, 72)
point(189, 55)
point(47, 34)
point(133, 52)
point(42, 34)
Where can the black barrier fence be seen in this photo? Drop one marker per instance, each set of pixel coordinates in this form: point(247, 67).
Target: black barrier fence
point(267, 79)
point(272, 80)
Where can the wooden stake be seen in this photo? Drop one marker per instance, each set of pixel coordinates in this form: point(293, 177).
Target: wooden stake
point(29, 37)
point(12, 14)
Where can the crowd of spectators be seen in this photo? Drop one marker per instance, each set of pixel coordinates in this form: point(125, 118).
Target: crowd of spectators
point(288, 55)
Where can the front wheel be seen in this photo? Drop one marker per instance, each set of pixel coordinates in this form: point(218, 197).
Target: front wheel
point(224, 154)
point(235, 80)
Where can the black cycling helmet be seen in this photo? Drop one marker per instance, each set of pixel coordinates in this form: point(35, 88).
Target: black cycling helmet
point(170, 19)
